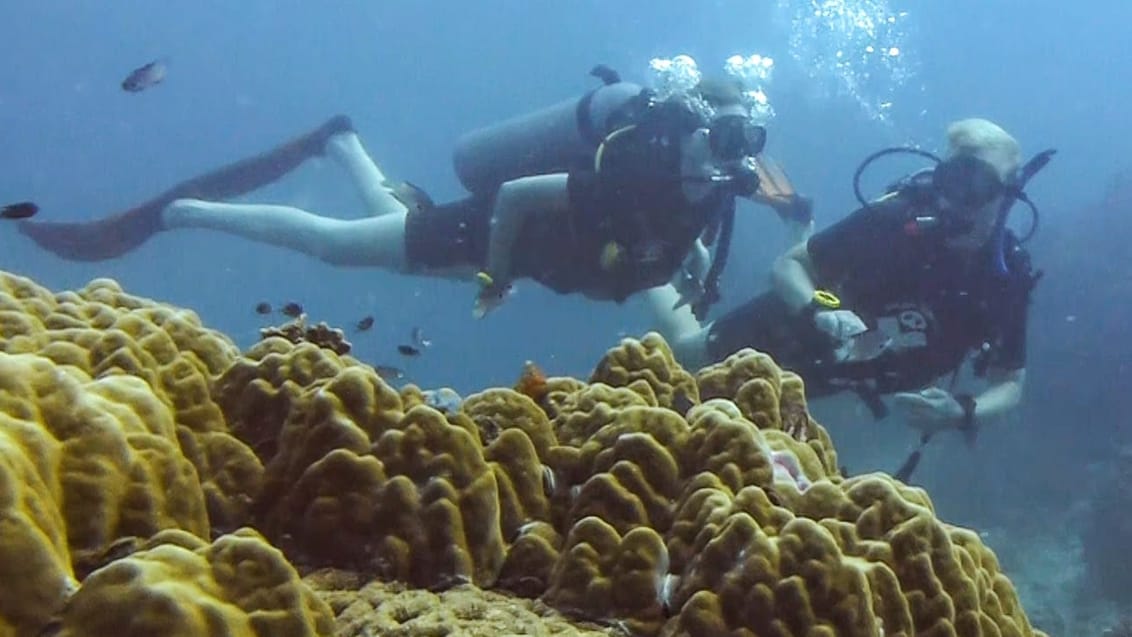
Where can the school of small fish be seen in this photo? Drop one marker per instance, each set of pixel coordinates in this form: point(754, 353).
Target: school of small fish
point(412, 349)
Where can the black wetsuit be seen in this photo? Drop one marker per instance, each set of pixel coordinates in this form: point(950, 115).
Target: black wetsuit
point(905, 284)
point(634, 208)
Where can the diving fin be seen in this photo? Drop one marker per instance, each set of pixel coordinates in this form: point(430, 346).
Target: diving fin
point(776, 191)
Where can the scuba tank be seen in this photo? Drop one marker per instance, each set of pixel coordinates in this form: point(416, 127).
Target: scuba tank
point(551, 140)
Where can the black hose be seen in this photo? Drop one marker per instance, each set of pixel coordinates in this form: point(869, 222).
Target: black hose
point(719, 261)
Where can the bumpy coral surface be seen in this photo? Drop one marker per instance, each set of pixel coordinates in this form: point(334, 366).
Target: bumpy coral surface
point(105, 332)
point(395, 610)
point(178, 585)
point(649, 500)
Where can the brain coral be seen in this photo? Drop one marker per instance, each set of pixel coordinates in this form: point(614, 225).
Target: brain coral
point(649, 500)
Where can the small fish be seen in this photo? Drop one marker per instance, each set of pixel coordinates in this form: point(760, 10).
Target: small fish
point(364, 324)
point(388, 372)
point(490, 297)
point(292, 309)
point(21, 210)
point(444, 400)
point(263, 307)
point(145, 77)
point(419, 339)
point(408, 350)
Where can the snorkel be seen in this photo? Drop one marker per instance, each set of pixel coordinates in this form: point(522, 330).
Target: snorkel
point(952, 176)
point(1015, 191)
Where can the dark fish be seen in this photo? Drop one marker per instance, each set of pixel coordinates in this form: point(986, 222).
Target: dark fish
point(388, 372)
point(408, 350)
point(419, 339)
point(144, 77)
point(21, 210)
point(292, 309)
point(263, 307)
point(364, 324)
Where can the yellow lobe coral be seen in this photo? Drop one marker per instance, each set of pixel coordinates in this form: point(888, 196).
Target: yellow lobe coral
point(35, 569)
point(115, 458)
point(615, 578)
point(649, 360)
point(238, 585)
point(631, 468)
point(260, 389)
point(394, 610)
point(105, 332)
point(625, 500)
point(769, 397)
point(411, 489)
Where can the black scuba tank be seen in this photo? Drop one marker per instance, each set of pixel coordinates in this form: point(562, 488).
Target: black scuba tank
point(552, 140)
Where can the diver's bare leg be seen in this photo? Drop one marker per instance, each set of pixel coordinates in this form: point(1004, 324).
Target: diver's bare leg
point(679, 326)
point(346, 149)
point(118, 234)
point(372, 241)
point(798, 231)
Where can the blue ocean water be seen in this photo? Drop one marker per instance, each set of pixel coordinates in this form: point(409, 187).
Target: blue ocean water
point(414, 76)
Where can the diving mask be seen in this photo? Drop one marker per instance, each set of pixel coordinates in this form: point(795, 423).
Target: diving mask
point(733, 137)
point(967, 182)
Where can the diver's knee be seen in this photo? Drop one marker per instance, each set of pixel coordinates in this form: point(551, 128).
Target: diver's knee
point(182, 212)
point(690, 350)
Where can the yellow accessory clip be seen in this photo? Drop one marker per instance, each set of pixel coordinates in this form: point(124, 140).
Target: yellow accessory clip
point(484, 279)
point(827, 299)
point(611, 255)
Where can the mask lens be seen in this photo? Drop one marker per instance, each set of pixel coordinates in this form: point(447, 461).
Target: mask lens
point(733, 137)
point(967, 181)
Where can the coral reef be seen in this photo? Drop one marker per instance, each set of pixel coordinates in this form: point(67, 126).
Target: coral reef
point(154, 479)
point(177, 584)
point(297, 331)
point(393, 609)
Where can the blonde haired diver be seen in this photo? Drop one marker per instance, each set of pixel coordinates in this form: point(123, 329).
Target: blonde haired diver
point(898, 295)
point(605, 195)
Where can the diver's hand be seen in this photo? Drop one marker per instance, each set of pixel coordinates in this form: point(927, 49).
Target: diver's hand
point(689, 289)
point(491, 294)
point(842, 325)
point(698, 261)
point(929, 411)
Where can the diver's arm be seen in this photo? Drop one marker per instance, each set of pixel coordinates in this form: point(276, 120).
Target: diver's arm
point(796, 215)
point(792, 278)
point(1002, 396)
point(516, 203)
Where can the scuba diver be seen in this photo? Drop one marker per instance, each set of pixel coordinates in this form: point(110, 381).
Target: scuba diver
point(605, 195)
point(897, 294)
